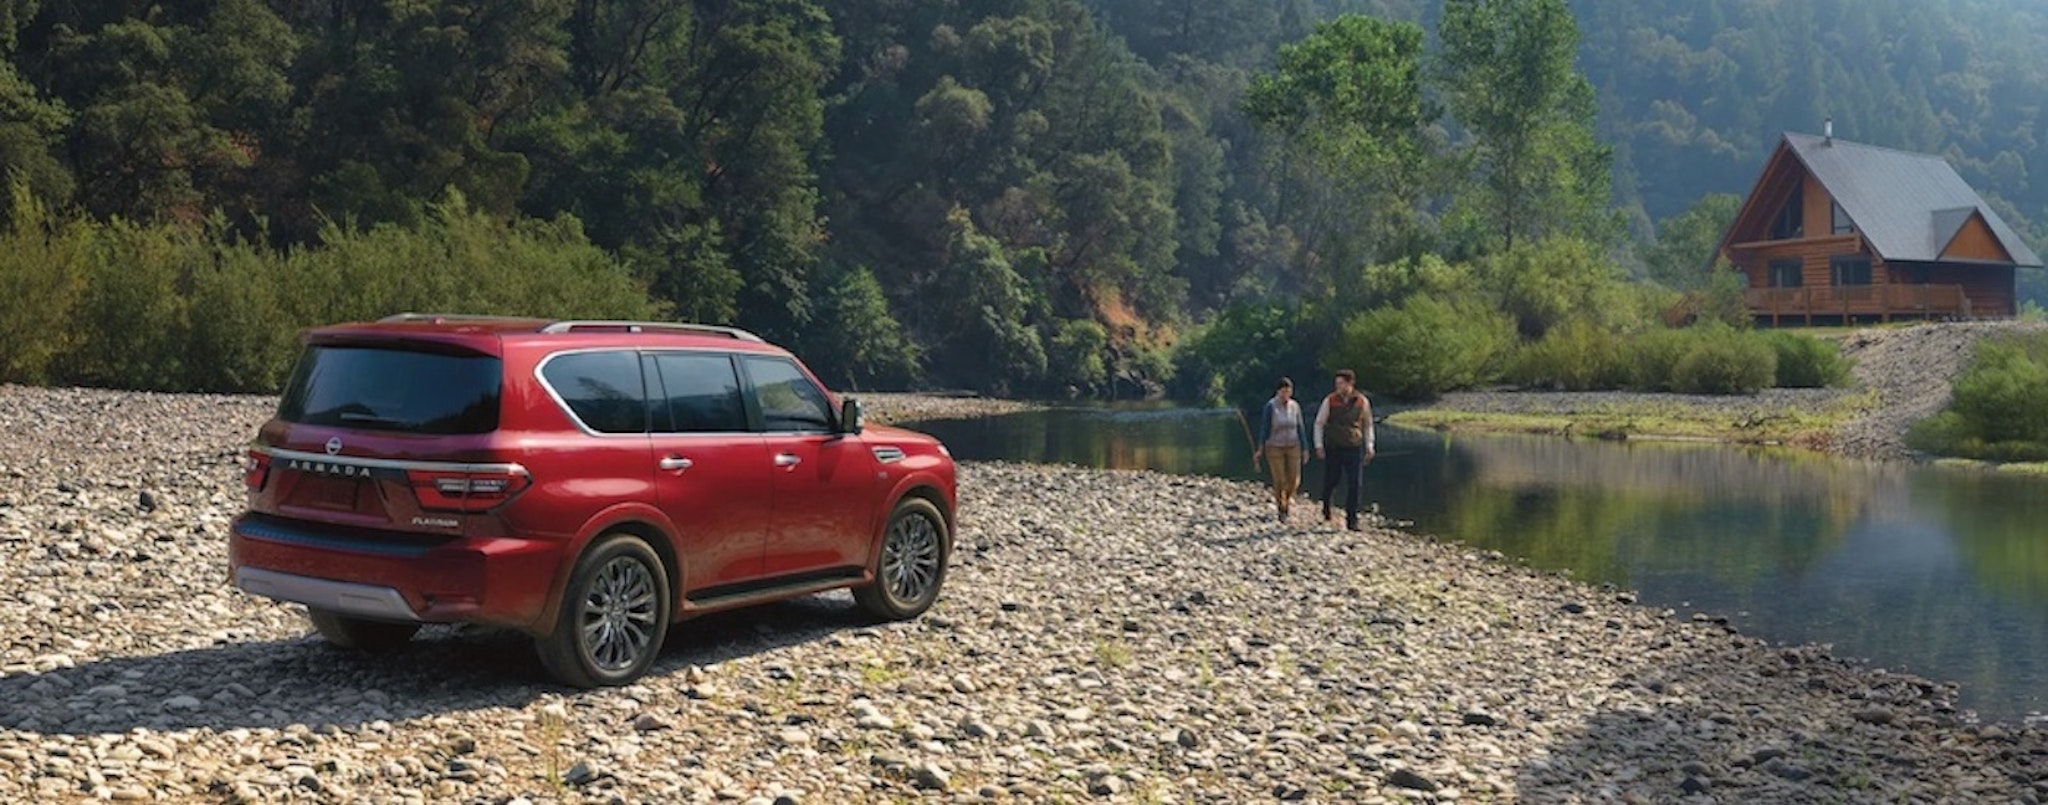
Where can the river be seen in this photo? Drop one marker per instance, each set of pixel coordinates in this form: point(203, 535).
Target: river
point(1933, 571)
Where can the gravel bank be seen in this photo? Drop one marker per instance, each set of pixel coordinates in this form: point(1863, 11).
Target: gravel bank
point(918, 407)
point(1767, 403)
point(1901, 376)
point(1108, 636)
point(1911, 370)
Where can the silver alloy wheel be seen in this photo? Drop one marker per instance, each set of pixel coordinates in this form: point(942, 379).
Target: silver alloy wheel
point(617, 616)
point(910, 559)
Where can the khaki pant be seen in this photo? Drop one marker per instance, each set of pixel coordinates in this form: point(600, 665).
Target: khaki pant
point(1284, 464)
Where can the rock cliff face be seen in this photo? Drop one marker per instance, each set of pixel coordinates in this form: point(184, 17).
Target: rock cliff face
point(1911, 370)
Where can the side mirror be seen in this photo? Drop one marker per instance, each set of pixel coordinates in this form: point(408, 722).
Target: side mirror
point(850, 418)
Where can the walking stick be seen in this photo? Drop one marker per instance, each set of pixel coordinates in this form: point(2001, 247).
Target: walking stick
point(1248, 441)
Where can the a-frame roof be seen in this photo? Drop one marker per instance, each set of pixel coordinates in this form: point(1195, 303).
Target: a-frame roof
point(1909, 206)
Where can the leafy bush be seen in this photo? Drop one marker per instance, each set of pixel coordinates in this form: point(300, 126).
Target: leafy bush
point(179, 308)
point(43, 264)
point(1724, 300)
point(1996, 413)
point(132, 318)
point(1238, 357)
point(1724, 360)
point(1580, 356)
point(1423, 347)
point(1549, 282)
point(1805, 362)
point(1651, 357)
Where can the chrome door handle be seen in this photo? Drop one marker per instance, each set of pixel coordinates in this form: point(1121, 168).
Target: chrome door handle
point(677, 464)
point(787, 460)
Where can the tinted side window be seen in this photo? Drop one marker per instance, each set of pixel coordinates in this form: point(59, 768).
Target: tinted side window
point(703, 393)
point(602, 388)
point(789, 400)
point(393, 389)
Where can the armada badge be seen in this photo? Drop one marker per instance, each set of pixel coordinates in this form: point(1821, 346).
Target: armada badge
point(334, 446)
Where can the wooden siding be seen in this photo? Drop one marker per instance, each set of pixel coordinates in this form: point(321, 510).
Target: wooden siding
point(1817, 207)
point(1975, 242)
point(1813, 255)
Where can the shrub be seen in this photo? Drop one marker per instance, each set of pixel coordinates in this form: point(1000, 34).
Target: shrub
point(43, 264)
point(1545, 283)
point(178, 308)
point(1805, 362)
point(1423, 348)
point(1724, 361)
point(1650, 358)
point(132, 318)
point(1995, 414)
point(1999, 395)
point(1237, 357)
point(1580, 356)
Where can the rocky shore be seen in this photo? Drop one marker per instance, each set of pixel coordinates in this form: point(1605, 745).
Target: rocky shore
point(1104, 636)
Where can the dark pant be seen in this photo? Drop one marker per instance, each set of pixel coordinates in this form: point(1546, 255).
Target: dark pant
point(1347, 463)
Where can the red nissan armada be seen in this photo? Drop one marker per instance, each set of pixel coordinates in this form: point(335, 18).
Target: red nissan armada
point(589, 483)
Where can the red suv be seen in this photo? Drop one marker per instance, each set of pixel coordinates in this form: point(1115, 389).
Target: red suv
point(588, 483)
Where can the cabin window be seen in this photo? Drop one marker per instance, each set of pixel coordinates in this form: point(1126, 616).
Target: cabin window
point(1787, 274)
point(1843, 226)
point(1791, 221)
point(1850, 270)
point(1921, 274)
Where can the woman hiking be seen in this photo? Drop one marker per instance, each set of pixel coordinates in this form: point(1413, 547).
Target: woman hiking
point(1283, 443)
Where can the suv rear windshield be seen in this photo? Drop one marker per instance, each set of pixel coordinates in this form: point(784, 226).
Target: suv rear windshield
point(379, 388)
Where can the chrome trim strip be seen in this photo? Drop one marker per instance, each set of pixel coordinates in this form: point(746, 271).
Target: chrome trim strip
point(388, 463)
point(360, 600)
point(642, 326)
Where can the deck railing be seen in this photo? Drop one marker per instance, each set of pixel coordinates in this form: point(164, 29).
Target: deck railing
point(1846, 301)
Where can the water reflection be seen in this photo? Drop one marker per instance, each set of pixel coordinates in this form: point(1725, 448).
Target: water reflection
point(1939, 572)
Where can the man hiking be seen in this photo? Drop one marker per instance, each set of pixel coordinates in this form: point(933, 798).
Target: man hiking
point(1344, 440)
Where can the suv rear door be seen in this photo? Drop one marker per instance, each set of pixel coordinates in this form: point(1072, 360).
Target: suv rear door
point(713, 473)
point(360, 421)
point(825, 482)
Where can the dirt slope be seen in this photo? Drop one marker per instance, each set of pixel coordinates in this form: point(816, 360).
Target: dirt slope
point(1910, 369)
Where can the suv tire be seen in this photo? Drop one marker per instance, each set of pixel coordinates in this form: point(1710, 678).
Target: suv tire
point(614, 615)
point(911, 565)
point(376, 637)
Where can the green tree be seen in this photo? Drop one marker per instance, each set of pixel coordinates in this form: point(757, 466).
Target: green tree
point(1350, 101)
point(986, 302)
point(858, 338)
point(1508, 74)
point(1686, 242)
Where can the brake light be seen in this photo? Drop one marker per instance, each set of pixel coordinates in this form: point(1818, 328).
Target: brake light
point(466, 491)
point(256, 471)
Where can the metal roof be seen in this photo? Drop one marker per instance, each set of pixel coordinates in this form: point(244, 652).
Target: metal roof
point(1909, 206)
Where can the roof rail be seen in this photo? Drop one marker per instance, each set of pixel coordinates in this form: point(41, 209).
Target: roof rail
point(402, 318)
point(644, 326)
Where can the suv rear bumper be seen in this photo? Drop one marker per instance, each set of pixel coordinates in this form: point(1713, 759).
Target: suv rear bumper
point(494, 580)
point(359, 600)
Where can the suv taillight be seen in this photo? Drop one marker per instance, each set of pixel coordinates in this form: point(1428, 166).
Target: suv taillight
point(257, 471)
point(466, 491)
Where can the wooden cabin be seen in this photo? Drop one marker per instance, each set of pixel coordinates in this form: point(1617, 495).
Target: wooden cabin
point(1837, 232)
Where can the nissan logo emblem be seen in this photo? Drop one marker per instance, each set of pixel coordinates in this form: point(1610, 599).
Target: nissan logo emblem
point(334, 446)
